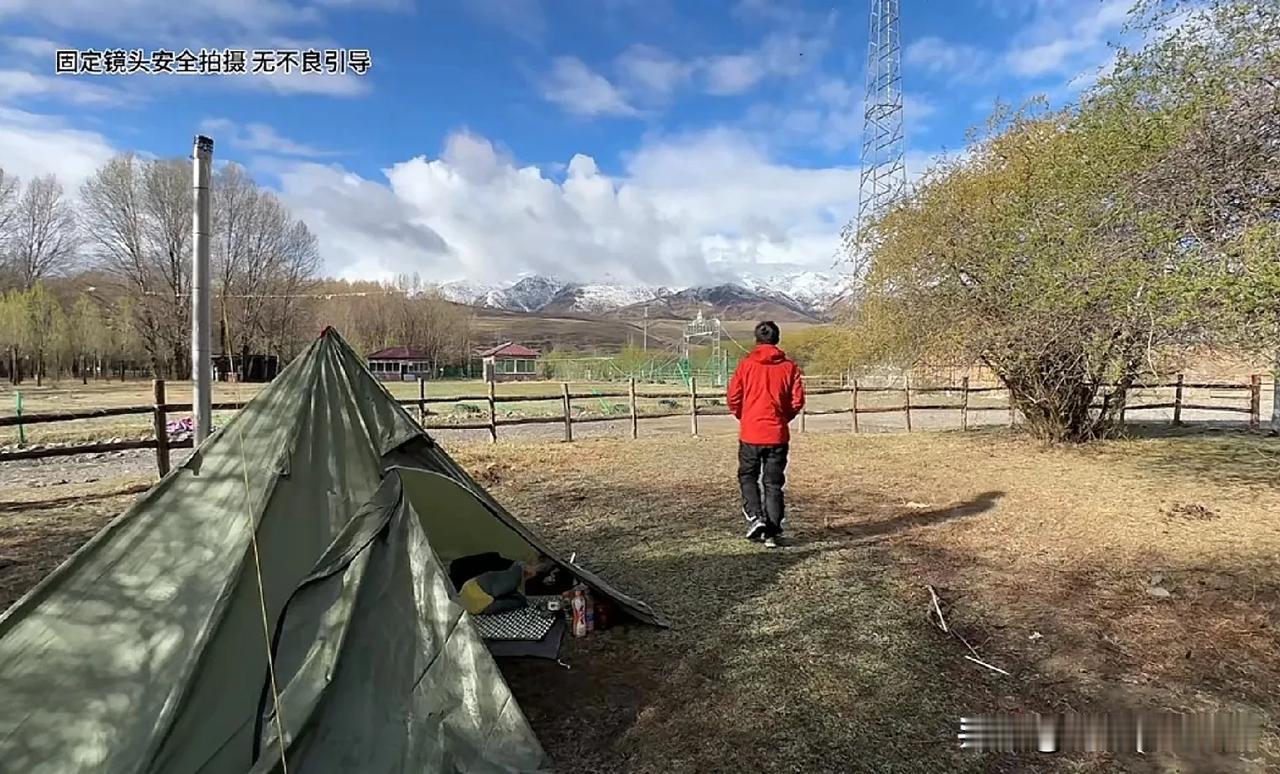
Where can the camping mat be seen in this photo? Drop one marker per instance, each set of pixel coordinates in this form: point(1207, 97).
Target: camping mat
point(524, 623)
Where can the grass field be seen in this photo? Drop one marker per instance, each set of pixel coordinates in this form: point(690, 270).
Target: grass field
point(72, 396)
point(821, 656)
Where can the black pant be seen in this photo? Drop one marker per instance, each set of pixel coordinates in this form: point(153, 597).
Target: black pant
point(763, 467)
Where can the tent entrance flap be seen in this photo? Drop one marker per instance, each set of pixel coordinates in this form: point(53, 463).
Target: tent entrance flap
point(457, 523)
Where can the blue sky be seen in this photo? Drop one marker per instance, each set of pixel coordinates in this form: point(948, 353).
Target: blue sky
point(657, 141)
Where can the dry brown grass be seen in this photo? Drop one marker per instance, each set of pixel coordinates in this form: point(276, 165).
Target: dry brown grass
point(39, 528)
point(827, 645)
point(820, 657)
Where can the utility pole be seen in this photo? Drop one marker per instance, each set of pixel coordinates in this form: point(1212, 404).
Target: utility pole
point(646, 327)
point(201, 303)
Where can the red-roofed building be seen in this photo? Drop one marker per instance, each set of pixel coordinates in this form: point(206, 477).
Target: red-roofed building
point(510, 362)
point(395, 364)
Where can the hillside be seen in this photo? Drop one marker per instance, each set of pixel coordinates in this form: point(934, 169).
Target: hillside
point(593, 334)
point(575, 334)
point(728, 302)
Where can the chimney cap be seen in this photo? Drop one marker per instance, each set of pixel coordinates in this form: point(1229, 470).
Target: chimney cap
point(204, 143)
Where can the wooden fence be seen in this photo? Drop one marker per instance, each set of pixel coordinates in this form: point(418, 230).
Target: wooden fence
point(160, 409)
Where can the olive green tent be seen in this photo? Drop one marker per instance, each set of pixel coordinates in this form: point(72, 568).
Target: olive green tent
point(315, 526)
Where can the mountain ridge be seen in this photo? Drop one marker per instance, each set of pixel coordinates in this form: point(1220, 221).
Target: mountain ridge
point(796, 296)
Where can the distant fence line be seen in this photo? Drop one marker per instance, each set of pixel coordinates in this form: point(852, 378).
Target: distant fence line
point(698, 405)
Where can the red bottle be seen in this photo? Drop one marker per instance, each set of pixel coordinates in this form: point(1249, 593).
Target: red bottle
point(579, 615)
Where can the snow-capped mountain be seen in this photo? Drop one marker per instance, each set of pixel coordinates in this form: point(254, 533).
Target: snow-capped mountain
point(528, 294)
point(807, 293)
point(814, 289)
point(471, 293)
point(599, 298)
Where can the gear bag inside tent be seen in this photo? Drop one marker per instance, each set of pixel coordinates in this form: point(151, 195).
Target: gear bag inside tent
point(291, 596)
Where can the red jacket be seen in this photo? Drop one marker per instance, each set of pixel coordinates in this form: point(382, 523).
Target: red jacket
point(765, 394)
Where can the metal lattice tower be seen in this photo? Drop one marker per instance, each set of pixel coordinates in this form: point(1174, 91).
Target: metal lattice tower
point(703, 332)
point(884, 171)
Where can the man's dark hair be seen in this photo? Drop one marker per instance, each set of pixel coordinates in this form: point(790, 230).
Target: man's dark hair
point(767, 333)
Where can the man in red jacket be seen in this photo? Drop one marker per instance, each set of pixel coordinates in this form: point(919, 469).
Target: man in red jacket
point(765, 394)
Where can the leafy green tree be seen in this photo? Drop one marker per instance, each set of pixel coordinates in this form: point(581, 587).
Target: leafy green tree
point(45, 321)
point(1069, 250)
point(15, 329)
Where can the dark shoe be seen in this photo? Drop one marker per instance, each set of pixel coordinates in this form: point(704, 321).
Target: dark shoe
point(756, 530)
point(773, 541)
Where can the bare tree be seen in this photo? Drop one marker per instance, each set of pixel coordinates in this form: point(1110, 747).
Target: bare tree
point(295, 276)
point(138, 215)
point(8, 213)
point(43, 239)
point(264, 261)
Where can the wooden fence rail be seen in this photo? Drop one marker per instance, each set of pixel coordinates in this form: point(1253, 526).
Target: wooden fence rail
point(698, 405)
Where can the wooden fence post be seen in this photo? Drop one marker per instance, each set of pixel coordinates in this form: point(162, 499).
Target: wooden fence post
point(422, 401)
point(161, 428)
point(964, 406)
point(568, 413)
point(906, 397)
point(1255, 401)
point(635, 418)
point(17, 403)
point(1013, 410)
point(693, 404)
point(803, 411)
point(853, 404)
point(1177, 402)
point(493, 413)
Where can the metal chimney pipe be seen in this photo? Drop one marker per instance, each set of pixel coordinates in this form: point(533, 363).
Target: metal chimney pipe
point(201, 304)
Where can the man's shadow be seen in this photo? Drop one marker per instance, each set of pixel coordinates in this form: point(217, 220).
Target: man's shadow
point(872, 531)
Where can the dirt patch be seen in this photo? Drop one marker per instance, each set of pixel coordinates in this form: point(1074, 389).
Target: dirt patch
point(1191, 512)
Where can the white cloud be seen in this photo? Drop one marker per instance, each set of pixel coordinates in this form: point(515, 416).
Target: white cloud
point(770, 11)
point(19, 84)
point(342, 85)
point(732, 74)
point(830, 116)
point(651, 71)
point(781, 54)
point(522, 18)
point(958, 61)
point(36, 48)
point(1066, 38)
point(917, 109)
point(577, 88)
point(380, 5)
point(683, 210)
point(33, 144)
point(259, 138)
point(646, 74)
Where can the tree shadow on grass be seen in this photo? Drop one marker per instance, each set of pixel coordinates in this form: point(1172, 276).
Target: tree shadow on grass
point(1231, 457)
point(88, 498)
